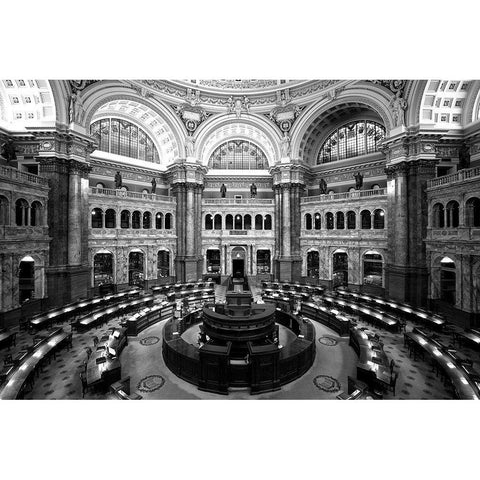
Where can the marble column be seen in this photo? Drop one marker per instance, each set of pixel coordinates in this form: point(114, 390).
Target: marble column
point(286, 233)
point(190, 221)
point(74, 216)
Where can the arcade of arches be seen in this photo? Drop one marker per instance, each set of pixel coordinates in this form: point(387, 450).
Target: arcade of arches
point(371, 186)
point(109, 184)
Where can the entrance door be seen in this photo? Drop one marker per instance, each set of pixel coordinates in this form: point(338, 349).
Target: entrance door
point(238, 268)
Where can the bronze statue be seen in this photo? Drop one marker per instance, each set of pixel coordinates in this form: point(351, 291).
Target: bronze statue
point(223, 190)
point(118, 180)
point(9, 151)
point(358, 181)
point(323, 186)
point(463, 156)
point(253, 190)
point(154, 185)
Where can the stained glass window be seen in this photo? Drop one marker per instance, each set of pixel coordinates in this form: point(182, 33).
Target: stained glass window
point(350, 140)
point(124, 138)
point(238, 155)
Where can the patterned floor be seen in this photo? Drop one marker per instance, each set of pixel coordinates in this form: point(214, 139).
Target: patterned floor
point(142, 360)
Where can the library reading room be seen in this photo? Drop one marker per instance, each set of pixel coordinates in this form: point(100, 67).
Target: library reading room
point(240, 239)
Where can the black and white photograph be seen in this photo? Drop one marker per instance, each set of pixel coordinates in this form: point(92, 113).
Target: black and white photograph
point(239, 234)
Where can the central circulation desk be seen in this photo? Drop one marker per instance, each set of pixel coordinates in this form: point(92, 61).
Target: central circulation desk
point(466, 388)
point(18, 375)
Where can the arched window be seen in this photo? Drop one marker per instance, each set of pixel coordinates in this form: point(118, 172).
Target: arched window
point(110, 218)
point(350, 140)
point(168, 221)
point(268, 222)
point(4, 211)
point(124, 138)
point(159, 221)
point(213, 261)
point(452, 214)
point(263, 261)
point(366, 217)
point(238, 222)
point(100, 185)
point(147, 220)
point(136, 219)
point(438, 216)
point(378, 219)
point(208, 222)
point(313, 264)
point(36, 214)
point(136, 268)
point(317, 221)
point(26, 279)
point(473, 212)
point(163, 264)
point(447, 280)
point(247, 222)
point(102, 268)
point(340, 269)
point(308, 221)
point(238, 155)
point(351, 220)
point(217, 221)
point(372, 269)
point(329, 220)
point(340, 221)
point(258, 222)
point(97, 218)
point(125, 219)
point(229, 222)
point(21, 212)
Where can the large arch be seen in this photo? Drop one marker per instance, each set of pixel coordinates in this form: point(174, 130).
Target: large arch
point(364, 96)
point(249, 127)
point(114, 99)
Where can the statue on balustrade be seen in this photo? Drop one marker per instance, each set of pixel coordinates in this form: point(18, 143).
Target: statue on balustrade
point(253, 190)
point(9, 151)
point(358, 181)
point(223, 190)
point(323, 186)
point(154, 185)
point(463, 156)
point(118, 180)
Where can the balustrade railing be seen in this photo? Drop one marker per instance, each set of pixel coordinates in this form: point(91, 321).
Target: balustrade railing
point(380, 192)
point(238, 201)
point(110, 192)
point(454, 177)
point(14, 174)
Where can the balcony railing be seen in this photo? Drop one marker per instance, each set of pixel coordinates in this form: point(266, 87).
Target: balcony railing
point(13, 174)
point(238, 201)
point(454, 177)
point(110, 192)
point(380, 192)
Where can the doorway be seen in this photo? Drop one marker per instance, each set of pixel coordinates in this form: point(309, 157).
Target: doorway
point(238, 268)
